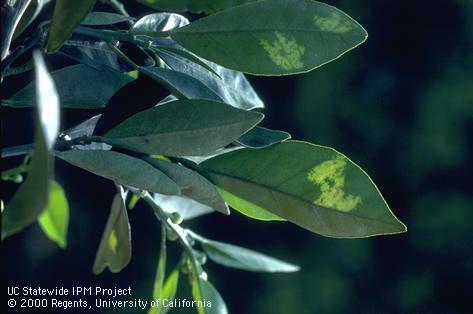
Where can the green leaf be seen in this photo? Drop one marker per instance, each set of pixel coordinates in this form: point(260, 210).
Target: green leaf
point(211, 296)
point(259, 137)
point(159, 22)
point(272, 37)
point(237, 257)
point(183, 127)
point(122, 169)
point(66, 17)
point(312, 186)
point(12, 11)
point(104, 18)
point(191, 184)
point(79, 86)
point(94, 53)
point(169, 289)
point(186, 207)
point(180, 84)
point(31, 198)
point(160, 272)
point(55, 218)
point(32, 11)
point(114, 250)
point(231, 86)
point(196, 6)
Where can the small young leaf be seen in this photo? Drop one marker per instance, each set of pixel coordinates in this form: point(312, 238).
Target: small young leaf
point(160, 272)
point(183, 127)
point(32, 196)
point(191, 184)
point(211, 295)
point(104, 18)
point(312, 186)
point(297, 36)
point(55, 218)
point(237, 257)
point(170, 288)
point(259, 137)
point(114, 250)
point(90, 89)
point(122, 169)
point(186, 207)
point(66, 17)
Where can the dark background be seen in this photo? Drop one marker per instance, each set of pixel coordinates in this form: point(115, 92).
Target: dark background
point(400, 105)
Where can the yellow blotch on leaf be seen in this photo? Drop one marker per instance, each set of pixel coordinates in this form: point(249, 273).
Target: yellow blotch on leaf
point(284, 52)
point(329, 177)
point(335, 23)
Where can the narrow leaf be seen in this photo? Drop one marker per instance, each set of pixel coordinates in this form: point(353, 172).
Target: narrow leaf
point(170, 288)
point(159, 22)
point(160, 272)
point(122, 169)
point(114, 250)
point(104, 18)
point(186, 207)
point(66, 17)
point(237, 257)
point(79, 86)
point(31, 198)
point(259, 137)
point(55, 218)
point(32, 11)
point(12, 11)
point(183, 127)
point(195, 6)
point(211, 296)
point(231, 86)
point(191, 184)
point(312, 186)
point(180, 84)
point(277, 37)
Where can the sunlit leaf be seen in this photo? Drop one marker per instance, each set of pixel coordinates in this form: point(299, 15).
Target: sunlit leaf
point(160, 272)
point(312, 186)
point(237, 257)
point(122, 169)
point(114, 250)
point(12, 11)
point(66, 17)
point(183, 127)
point(170, 288)
point(31, 198)
point(79, 86)
point(191, 184)
point(54, 220)
point(272, 37)
point(210, 296)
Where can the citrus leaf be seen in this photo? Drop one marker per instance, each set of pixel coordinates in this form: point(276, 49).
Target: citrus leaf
point(54, 220)
point(32, 197)
point(122, 169)
point(79, 86)
point(104, 18)
point(272, 37)
point(114, 250)
point(183, 127)
point(312, 186)
point(66, 17)
point(259, 137)
point(237, 257)
point(191, 184)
